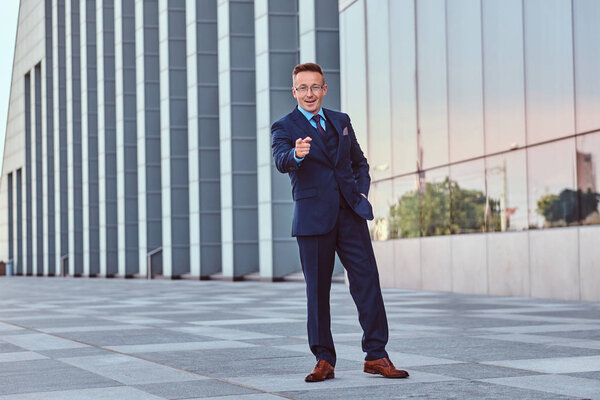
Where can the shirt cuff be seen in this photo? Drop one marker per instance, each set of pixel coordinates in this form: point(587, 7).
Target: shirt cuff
point(298, 160)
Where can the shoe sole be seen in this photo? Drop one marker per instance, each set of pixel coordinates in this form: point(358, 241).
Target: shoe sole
point(375, 372)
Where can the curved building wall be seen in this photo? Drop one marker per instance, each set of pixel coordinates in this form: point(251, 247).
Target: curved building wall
point(483, 132)
point(138, 140)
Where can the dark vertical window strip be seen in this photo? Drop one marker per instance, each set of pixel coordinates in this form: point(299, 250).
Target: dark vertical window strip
point(130, 138)
point(76, 149)
point(50, 139)
point(110, 143)
point(180, 228)
point(152, 127)
point(38, 171)
point(28, 170)
point(11, 238)
point(19, 265)
point(208, 139)
point(92, 132)
point(62, 132)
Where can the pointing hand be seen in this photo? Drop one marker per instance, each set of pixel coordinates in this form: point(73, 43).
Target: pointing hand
point(303, 147)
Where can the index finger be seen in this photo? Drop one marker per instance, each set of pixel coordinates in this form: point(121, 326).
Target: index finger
point(307, 139)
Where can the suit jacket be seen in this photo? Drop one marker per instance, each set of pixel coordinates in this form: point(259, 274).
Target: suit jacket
point(319, 180)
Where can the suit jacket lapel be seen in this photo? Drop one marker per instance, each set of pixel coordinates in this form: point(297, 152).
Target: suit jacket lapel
point(305, 126)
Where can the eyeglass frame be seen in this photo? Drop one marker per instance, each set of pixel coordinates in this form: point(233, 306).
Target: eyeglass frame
point(314, 88)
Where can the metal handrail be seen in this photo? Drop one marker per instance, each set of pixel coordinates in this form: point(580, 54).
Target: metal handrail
point(149, 267)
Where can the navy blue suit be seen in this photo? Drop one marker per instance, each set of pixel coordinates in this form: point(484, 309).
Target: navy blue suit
point(330, 215)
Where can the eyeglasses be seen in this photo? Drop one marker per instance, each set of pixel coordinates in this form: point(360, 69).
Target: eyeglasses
point(316, 89)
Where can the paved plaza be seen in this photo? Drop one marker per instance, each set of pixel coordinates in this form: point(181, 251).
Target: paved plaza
point(115, 339)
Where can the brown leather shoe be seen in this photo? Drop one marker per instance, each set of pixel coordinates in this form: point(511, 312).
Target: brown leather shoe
point(323, 370)
point(384, 366)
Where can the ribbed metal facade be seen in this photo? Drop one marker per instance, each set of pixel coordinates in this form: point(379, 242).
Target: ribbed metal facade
point(139, 135)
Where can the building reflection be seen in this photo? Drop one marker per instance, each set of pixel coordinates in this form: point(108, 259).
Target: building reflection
point(488, 195)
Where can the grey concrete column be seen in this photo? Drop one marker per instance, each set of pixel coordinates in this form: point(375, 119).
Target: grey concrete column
point(203, 124)
point(69, 106)
point(56, 137)
point(48, 145)
point(193, 183)
point(44, 163)
point(85, 173)
point(276, 56)
point(237, 132)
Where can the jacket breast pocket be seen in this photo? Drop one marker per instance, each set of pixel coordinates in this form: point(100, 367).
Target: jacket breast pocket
point(305, 194)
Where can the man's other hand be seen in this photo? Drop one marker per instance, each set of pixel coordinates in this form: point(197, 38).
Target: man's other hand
point(303, 147)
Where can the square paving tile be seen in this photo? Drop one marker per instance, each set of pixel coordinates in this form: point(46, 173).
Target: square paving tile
point(557, 384)
point(453, 390)
point(109, 393)
point(129, 370)
point(561, 365)
point(194, 389)
point(47, 375)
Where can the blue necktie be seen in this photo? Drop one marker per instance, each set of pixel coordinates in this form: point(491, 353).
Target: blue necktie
point(317, 119)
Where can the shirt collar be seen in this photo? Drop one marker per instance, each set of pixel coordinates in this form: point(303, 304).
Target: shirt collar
point(309, 115)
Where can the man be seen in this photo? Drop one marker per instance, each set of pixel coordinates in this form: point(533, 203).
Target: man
point(330, 182)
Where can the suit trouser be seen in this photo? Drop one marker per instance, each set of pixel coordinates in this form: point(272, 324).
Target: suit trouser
point(350, 238)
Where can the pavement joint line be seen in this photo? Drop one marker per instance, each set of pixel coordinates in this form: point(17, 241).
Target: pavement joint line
point(223, 380)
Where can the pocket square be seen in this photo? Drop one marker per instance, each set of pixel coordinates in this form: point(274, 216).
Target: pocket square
point(345, 131)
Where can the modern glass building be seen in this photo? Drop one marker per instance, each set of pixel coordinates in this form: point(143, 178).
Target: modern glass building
point(481, 120)
point(139, 138)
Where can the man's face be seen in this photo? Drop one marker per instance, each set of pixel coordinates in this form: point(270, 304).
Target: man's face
point(310, 100)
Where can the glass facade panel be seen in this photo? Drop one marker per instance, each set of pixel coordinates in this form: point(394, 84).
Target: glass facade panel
point(586, 14)
point(552, 193)
point(353, 66)
point(434, 202)
point(404, 215)
point(421, 205)
point(465, 81)
point(402, 85)
point(467, 197)
point(378, 69)
point(432, 83)
point(588, 177)
point(504, 79)
point(549, 69)
point(380, 196)
point(506, 182)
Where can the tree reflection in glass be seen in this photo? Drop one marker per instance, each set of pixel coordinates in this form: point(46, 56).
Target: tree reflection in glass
point(425, 210)
point(552, 195)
